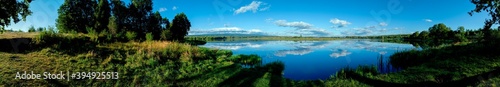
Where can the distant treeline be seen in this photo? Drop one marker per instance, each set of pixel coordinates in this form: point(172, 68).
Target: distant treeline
point(441, 33)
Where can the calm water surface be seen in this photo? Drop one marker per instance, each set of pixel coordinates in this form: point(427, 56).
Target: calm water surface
point(311, 60)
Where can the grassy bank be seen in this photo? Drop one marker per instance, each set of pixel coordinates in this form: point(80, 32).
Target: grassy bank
point(164, 63)
point(149, 63)
point(457, 65)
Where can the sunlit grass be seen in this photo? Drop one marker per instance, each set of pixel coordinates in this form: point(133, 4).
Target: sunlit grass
point(164, 63)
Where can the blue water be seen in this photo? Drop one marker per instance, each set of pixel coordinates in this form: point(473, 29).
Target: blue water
point(312, 60)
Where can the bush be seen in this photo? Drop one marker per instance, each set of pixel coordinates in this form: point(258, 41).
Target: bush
point(130, 35)
point(165, 35)
point(251, 59)
point(31, 29)
point(40, 29)
point(73, 32)
point(51, 29)
point(149, 37)
point(92, 34)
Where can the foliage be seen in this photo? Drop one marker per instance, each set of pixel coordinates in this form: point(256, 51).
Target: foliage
point(251, 59)
point(130, 35)
point(101, 15)
point(180, 27)
point(440, 32)
point(76, 15)
point(415, 35)
point(165, 35)
point(93, 34)
point(11, 10)
point(31, 29)
point(40, 29)
point(149, 37)
point(490, 6)
point(113, 26)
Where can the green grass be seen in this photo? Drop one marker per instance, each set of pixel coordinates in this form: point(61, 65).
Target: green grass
point(163, 63)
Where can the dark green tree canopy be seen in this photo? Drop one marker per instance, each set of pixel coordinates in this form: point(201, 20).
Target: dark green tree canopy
point(76, 15)
point(491, 7)
point(440, 31)
point(101, 16)
point(180, 26)
point(10, 10)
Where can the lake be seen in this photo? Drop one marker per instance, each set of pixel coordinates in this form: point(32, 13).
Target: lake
point(312, 60)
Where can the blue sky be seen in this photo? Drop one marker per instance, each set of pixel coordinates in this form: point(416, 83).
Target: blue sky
point(298, 17)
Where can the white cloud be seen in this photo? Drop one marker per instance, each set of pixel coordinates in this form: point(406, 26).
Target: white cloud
point(299, 51)
point(339, 23)
point(311, 32)
point(360, 31)
point(298, 25)
point(174, 8)
point(313, 45)
point(269, 20)
point(254, 7)
point(383, 24)
point(427, 20)
point(162, 9)
point(339, 53)
point(265, 8)
point(227, 30)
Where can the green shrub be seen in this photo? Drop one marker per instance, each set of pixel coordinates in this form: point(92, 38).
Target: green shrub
point(165, 35)
point(46, 36)
point(149, 37)
point(31, 29)
point(51, 29)
point(73, 32)
point(276, 67)
point(92, 34)
point(251, 59)
point(130, 35)
point(40, 29)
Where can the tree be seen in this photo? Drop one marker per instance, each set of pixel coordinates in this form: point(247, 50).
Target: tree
point(165, 35)
point(102, 15)
point(415, 35)
point(11, 10)
point(460, 34)
point(113, 25)
point(139, 12)
point(440, 32)
point(180, 27)
point(40, 29)
point(155, 24)
point(424, 35)
point(120, 15)
point(31, 29)
point(490, 6)
point(75, 15)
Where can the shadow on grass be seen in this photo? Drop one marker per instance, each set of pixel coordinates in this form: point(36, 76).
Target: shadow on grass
point(15, 45)
point(68, 46)
point(247, 77)
point(468, 81)
point(243, 78)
